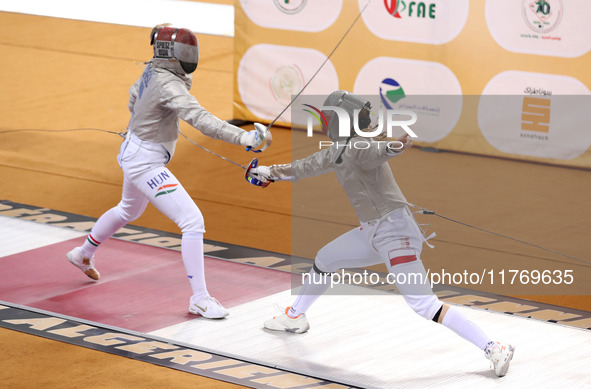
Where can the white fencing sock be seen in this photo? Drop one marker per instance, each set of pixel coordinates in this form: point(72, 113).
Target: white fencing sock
point(458, 323)
point(192, 253)
point(108, 224)
point(313, 287)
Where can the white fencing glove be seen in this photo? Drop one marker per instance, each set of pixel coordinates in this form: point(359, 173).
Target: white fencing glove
point(252, 139)
point(261, 173)
point(257, 140)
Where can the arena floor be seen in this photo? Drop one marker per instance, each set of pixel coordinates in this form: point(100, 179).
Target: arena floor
point(61, 74)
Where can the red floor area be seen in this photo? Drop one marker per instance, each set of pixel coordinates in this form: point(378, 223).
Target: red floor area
point(142, 288)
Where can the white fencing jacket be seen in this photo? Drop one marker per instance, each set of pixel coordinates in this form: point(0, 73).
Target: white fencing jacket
point(363, 172)
point(160, 97)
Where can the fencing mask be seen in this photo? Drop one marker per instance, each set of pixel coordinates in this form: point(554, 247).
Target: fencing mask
point(176, 43)
point(350, 103)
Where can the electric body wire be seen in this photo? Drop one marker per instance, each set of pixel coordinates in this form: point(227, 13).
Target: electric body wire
point(68, 130)
point(424, 211)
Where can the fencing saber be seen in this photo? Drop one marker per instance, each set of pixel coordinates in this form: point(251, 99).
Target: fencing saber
point(322, 65)
point(254, 163)
point(266, 130)
point(211, 152)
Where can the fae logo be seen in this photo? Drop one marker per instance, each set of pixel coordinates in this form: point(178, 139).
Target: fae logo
point(392, 7)
point(433, 22)
point(414, 9)
point(344, 124)
point(290, 6)
point(542, 15)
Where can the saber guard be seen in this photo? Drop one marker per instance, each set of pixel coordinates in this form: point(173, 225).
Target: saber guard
point(255, 181)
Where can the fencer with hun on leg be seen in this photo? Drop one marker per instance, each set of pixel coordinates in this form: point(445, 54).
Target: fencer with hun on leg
point(157, 102)
point(388, 232)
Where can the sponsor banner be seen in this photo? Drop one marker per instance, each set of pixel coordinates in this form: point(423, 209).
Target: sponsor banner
point(547, 116)
point(268, 76)
point(298, 15)
point(433, 22)
point(406, 51)
point(419, 86)
point(546, 27)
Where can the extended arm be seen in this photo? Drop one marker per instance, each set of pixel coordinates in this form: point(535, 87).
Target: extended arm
point(177, 98)
point(315, 164)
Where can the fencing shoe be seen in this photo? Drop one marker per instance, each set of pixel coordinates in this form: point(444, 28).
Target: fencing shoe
point(500, 355)
point(283, 322)
point(208, 307)
point(83, 263)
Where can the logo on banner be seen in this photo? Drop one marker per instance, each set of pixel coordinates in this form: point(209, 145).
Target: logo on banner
point(535, 118)
point(414, 9)
point(537, 91)
point(287, 81)
point(542, 15)
point(390, 92)
point(290, 6)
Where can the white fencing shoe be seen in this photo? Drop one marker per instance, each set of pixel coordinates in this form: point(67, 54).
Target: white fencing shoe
point(208, 307)
point(283, 322)
point(500, 355)
point(77, 259)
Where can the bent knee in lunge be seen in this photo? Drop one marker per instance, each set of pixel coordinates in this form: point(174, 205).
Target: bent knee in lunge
point(426, 306)
point(324, 263)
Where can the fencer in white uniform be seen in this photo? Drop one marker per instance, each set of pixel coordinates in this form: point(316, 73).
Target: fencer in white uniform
point(157, 102)
point(388, 232)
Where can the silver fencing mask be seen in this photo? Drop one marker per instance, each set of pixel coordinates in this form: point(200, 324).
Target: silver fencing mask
point(350, 103)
